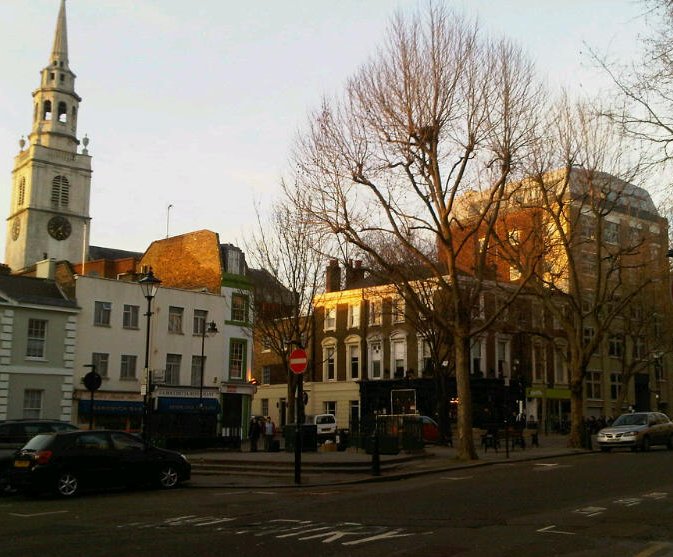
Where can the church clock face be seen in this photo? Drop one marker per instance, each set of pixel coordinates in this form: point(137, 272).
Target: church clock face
point(16, 228)
point(59, 227)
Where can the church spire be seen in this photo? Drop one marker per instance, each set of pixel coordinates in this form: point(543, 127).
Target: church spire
point(59, 52)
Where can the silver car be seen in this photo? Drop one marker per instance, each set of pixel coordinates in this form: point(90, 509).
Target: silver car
point(637, 430)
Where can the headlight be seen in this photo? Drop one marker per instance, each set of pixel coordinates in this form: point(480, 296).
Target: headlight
point(629, 434)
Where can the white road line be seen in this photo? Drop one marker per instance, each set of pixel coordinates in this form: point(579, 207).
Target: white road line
point(22, 515)
point(550, 530)
point(455, 478)
point(265, 492)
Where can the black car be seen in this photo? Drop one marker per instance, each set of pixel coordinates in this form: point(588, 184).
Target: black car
point(14, 434)
point(68, 462)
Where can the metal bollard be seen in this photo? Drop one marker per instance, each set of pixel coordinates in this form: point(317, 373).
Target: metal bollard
point(376, 458)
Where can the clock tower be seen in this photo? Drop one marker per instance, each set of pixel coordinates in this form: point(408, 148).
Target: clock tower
point(51, 180)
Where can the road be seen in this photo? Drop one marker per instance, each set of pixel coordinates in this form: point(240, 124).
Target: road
point(595, 504)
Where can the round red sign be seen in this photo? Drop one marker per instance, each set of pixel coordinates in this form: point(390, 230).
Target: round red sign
point(298, 360)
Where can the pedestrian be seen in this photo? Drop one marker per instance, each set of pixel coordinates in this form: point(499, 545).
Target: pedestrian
point(268, 434)
point(254, 433)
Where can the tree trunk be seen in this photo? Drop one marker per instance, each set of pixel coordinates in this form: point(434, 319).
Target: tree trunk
point(466, 450)
point(576, 413)
point(443, 404)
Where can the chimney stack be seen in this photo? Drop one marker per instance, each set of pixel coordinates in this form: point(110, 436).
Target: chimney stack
point(333, 277)
point(355, 274)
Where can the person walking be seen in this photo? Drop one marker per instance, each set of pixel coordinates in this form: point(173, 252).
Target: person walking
point(254, 434)
point(268, 434)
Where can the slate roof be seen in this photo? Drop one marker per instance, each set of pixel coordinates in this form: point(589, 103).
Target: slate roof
point(98, 252)
point(31, 290)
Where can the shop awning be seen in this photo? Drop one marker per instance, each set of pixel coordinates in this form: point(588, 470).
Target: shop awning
point(187, 405)
point(111, 407)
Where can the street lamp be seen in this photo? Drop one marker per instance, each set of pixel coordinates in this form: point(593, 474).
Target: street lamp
point(212, 329)
point(149, 285)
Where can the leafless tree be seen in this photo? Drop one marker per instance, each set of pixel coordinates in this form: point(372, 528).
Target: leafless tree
point(438, 112)
point(288, 252)
point(590, 252)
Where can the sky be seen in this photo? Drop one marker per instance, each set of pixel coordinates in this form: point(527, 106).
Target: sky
point(196, 104)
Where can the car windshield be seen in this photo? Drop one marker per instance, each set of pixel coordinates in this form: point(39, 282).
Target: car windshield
point(631, 419)
point(325, 420)
point(39, 442)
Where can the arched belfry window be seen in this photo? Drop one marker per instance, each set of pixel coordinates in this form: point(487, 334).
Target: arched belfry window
point(60, 192)
point(21, 193)
point(62, 112)
point(46, 112)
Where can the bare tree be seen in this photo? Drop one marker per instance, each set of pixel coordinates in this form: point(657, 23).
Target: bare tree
point(590, 252)
point(288, 252)
point(437, 113)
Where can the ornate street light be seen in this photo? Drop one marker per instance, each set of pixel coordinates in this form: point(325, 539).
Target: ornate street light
point(149, 284)
point(211, 330)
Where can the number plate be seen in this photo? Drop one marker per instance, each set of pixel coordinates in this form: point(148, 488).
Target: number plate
point(21, 463)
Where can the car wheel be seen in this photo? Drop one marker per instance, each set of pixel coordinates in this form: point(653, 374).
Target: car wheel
point(645, 444)
point(168, 477)
point(67, 484)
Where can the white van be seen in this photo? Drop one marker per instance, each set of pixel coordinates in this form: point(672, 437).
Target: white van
point(325, 423)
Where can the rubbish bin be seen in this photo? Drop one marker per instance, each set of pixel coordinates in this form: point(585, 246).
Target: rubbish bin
point(309, 437)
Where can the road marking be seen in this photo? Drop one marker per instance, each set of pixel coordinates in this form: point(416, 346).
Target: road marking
point(550, 530)
point(628, 502)
point(654, 548)
point(456, 478)
point(265, 492)
point(591, 511)
point(22, 515)
point(656, 495)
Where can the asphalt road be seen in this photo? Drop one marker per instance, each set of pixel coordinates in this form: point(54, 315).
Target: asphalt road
point(596, 504)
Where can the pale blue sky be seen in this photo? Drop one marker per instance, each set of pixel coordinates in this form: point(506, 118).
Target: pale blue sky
point(196, 103)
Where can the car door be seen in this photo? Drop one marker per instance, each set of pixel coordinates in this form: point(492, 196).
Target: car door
point(136, 462)
point(90, 455)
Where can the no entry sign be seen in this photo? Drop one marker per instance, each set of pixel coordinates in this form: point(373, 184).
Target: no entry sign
point(298, 360)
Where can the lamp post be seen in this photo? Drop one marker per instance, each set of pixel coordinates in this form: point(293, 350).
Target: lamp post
point(211, 330)
point(149, 285)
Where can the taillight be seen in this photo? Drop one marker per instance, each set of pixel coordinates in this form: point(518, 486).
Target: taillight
point(42, 457)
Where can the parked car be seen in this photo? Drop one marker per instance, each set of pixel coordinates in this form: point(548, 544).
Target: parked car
point(71, 461)
point(430, 430)
point(326, 425)
point(14, 434)
point(637, 430)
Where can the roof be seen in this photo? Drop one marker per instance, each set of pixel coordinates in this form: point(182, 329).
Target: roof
point(31, 290)
point(97, 252)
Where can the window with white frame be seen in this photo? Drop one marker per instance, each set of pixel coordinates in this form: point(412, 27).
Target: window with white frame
point(101, 313)
point(173, 362)
point(638, 348)
point(239, 308)
point(615, 345)
point(265, 407)
point(539, 362)
point(100, 361)
point(593, 382)
point(237, 358)
point(199, 322)
point(353, 354)
point(477, 355)
point(196, 370)
point(399, 309)
point(127, 369)
point(32, 403)
point(615, 385)
point(330, 319)
point(588, 335)
point(130, 316)
point(502, 355)
point(659, 368)
point(375, 311)
point(560, 366)
point(375, 359)
point(611, 232)
point(330, 407)
point(398, 355)
point(266, 375)
point(329, 360)
point(514, 273)
point(175, 319)
point(353, 412)
point(425, 364)
point(37, 338)
point(354, 315)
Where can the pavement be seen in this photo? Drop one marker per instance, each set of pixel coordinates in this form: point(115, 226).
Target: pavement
point(245, 469)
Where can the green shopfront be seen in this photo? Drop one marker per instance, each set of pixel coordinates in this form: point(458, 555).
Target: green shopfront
point(550, 407)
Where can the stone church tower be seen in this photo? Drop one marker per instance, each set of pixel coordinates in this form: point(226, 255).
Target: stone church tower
point(51, 182)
